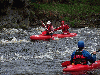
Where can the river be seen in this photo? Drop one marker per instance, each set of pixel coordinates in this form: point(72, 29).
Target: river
point(21, 56)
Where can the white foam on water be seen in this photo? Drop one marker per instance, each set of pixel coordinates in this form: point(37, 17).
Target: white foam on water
point(85, 32)
point(82, 28)
point(92, 49)
point(25, 32)
point(63, 53)
point(88, 32)
point(94, 44)
point(1, 58)
point(20, 30)
point(79, 30)
point(56, 38)
point(14, 40)
point(50, 49)
point(74, 48)
point(39, 32)
point(3, 41)
point(86, 27)
point(11, 31)
point(95, 38)
point(48, 44)
point(57, 52)
point(37, 28)
point(33, 29)
point(43, 56)
point(22, 57)
point(49, 55)
point(41, 29)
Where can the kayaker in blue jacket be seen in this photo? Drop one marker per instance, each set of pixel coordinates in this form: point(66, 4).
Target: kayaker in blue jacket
point(81, 56)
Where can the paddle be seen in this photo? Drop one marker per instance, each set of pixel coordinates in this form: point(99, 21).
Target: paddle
point(44, 32)
point(96, 51)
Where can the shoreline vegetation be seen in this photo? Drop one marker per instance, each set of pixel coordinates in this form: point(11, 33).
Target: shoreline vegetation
point(29, 13)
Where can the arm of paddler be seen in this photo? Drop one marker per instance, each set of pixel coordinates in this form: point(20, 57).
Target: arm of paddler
point(94, 56)
point(90, 58)
point(52, 29)
point(58, 28)
point(67, 26)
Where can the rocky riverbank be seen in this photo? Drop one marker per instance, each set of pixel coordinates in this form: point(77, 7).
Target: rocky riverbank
point(24, 14)
point(14, 14)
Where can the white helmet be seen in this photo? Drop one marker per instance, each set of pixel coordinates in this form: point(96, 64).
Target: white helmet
point(48, 22)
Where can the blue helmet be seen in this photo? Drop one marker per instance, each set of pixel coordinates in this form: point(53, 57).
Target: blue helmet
point(80, 44)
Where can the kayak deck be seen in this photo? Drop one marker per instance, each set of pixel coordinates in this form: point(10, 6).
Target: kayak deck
point(65, 35)
point(45, 37)
point(79, 67)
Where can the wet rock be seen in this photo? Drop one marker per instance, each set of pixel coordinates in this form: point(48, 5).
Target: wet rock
point(13, 14)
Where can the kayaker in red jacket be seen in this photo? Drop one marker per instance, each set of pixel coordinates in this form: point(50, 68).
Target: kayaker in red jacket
point(81, 56)
point(63, 27)
point(49, 28)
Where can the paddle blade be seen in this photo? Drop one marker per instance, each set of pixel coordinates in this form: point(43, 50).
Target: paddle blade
point(66, 63)
point(44, 33)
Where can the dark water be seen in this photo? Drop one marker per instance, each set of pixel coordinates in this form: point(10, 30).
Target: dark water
point(21, 56)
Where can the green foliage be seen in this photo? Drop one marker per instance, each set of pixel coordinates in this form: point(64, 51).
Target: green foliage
point(72, 23)
point(33, 0)
point(35, 6)
point(32, 12)
point(66, 18)
point(75, 11)
point(79, 21)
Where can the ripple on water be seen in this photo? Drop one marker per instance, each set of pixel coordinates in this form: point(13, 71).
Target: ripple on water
point(41, 57)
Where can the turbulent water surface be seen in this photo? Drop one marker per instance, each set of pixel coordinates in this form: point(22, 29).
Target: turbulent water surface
point(20, 55)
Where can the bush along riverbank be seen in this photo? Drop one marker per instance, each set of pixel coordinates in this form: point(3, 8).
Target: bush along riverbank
point(14, 14)
point(76, 15)
point(25, 13)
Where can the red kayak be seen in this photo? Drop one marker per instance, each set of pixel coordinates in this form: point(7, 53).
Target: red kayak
point(40, 37)
point(45, 37)
point(79, 67)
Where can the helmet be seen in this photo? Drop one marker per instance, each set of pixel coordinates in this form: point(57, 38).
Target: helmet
point(62, 22)
point(80, 44)
point(48, 22)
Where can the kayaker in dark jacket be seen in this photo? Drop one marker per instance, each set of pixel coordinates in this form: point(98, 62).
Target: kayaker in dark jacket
point(49, 28)
point(81, 56)
point(63, 27)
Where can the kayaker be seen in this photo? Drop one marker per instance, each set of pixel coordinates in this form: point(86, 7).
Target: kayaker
point(81, 56)
point(49, 28)
point(63, 27)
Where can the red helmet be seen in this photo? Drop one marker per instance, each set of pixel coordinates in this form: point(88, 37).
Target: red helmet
point(62, 22)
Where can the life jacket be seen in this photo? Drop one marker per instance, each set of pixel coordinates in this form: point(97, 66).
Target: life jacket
point(79, 58)
point(65, 28)
point(49, 28)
